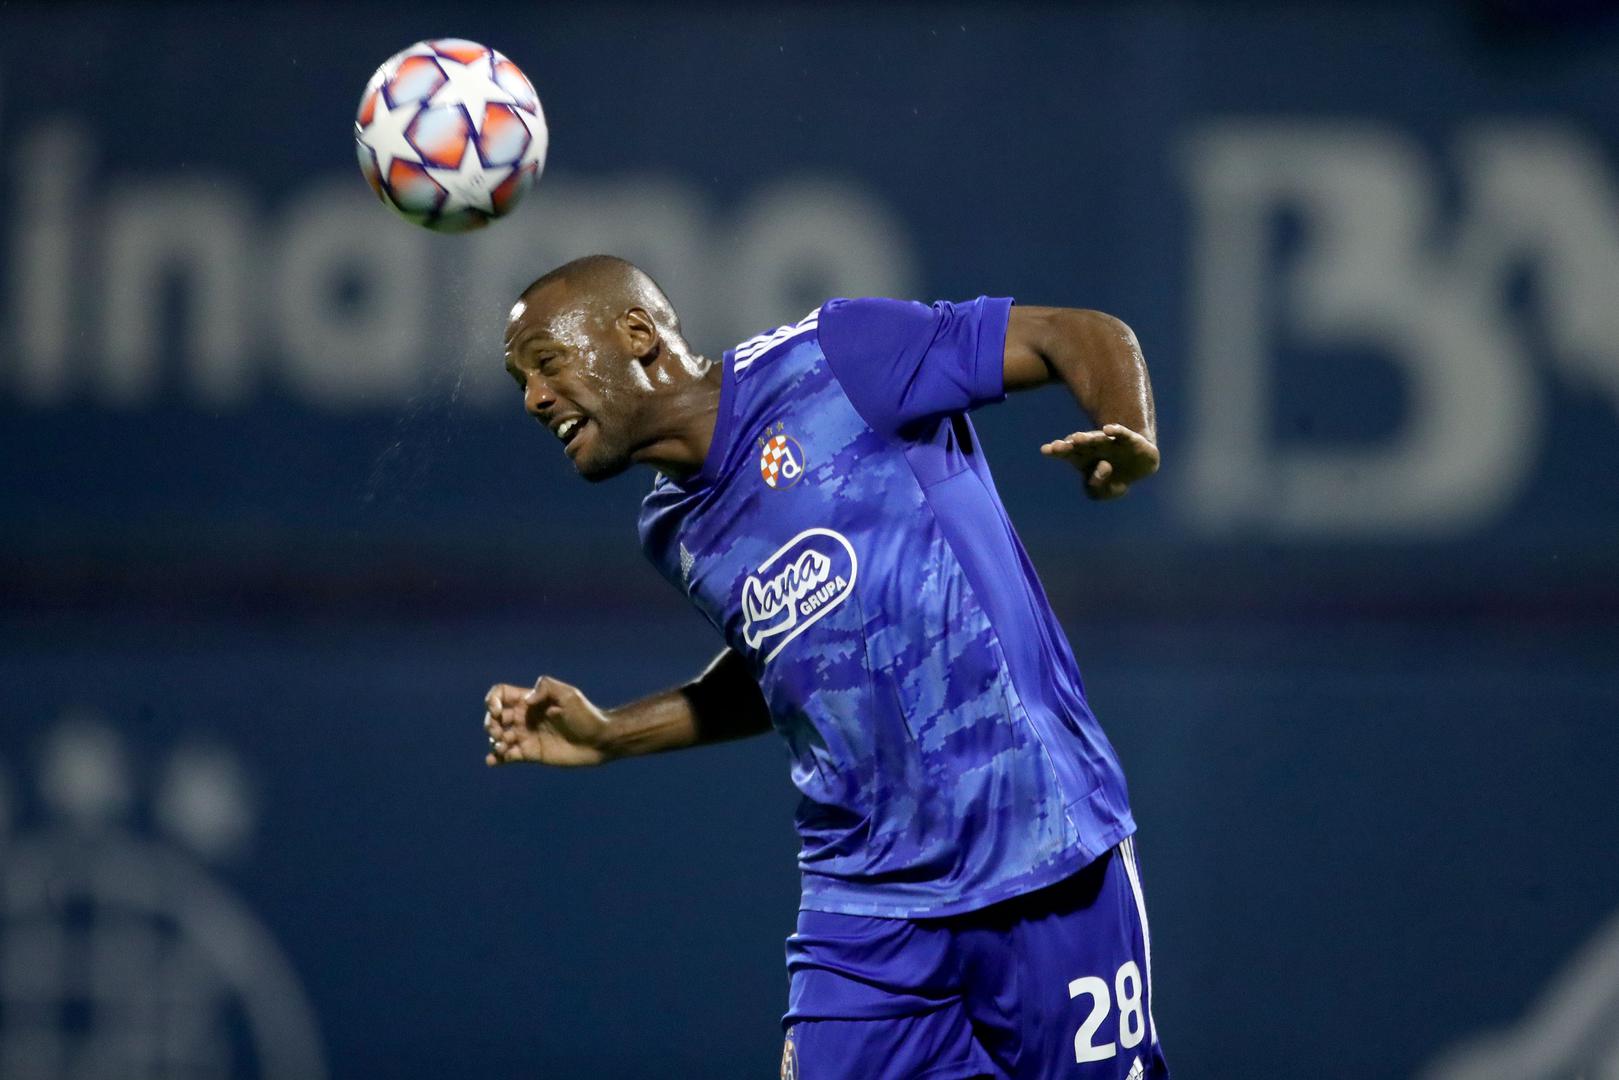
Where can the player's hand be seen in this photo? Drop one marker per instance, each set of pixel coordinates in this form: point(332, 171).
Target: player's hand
point(553, 724)
point(1110, 460)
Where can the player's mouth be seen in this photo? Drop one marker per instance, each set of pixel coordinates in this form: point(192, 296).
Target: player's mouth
point(570, 431)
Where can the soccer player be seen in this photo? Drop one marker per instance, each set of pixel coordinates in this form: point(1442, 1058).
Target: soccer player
point(972, 904)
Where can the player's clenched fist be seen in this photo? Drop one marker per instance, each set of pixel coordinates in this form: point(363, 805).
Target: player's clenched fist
point(553, 724)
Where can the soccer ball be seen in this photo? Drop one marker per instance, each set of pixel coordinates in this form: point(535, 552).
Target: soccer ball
point(450, 134)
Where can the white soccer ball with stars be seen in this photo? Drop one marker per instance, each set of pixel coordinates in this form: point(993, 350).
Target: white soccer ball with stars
point(450, 134)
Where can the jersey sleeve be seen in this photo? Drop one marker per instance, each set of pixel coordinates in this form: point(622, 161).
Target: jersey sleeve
point(902, 362)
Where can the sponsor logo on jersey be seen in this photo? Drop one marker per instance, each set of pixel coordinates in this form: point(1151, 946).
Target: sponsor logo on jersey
point(806, 578)
point(781, 460)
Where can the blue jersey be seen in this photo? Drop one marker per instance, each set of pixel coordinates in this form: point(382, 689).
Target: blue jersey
point(845, 537)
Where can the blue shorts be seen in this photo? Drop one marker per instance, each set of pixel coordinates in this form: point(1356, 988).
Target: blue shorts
point(1055, 983)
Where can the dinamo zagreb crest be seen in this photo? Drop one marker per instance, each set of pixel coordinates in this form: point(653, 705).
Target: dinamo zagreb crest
point(781, 461)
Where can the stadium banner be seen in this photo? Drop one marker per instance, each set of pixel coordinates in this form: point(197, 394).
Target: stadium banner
point(1373, 285)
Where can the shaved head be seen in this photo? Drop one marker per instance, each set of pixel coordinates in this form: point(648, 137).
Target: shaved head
point(598, 350)
point(611, 283)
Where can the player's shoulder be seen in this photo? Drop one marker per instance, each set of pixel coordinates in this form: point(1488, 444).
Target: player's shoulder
point(856, 314)
point(761, 347)
point(856, 329)
point(841, 323)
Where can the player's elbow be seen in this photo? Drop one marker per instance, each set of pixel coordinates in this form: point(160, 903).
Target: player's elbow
point(1067, 330)
point(1051, 344)
point(1099, 326)
point(1085, 338)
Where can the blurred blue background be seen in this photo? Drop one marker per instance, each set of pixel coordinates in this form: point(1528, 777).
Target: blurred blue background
point(272, 520)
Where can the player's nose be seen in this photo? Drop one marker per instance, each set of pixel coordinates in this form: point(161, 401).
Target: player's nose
point(537, 396)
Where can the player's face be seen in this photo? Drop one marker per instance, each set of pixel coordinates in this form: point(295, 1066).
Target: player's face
point(578, 378)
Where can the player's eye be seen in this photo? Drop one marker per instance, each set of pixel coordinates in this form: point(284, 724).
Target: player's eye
point(548, 366)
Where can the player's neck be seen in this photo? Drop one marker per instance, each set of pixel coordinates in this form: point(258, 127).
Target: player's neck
point(690, 411)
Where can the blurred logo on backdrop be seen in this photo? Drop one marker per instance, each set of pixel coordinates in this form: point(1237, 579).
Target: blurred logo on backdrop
point(1341, 247)
point(121, 954)
point(1570, 1033)
point(135, 291)
point(1313, 245)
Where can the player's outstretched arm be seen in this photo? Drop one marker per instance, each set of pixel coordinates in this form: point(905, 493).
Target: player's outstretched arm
point(1098, 358)
point(553, 723)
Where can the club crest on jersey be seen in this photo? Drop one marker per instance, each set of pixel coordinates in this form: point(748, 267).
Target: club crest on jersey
point(781, 459)
point(789, 1057)
point(805, 579)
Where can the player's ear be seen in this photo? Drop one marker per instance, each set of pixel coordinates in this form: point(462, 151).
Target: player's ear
point(640, 333)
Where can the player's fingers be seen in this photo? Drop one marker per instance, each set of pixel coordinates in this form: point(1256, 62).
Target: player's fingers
point(503, 695)
point(1096, 444)
point(1123, 434)
point(545, 690)
point(1138, 443)
point(1129, 435)
point(1100, 480)
point(562, 700)
point(1057, 446)
point(491, 726)
point(1078, 453)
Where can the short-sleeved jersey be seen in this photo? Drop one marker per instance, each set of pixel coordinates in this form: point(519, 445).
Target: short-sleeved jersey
point(845, 537)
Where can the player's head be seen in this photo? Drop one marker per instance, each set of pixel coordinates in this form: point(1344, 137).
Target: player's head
point(595, 346)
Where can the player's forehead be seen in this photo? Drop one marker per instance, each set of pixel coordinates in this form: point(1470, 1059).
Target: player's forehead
point(554, 313)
